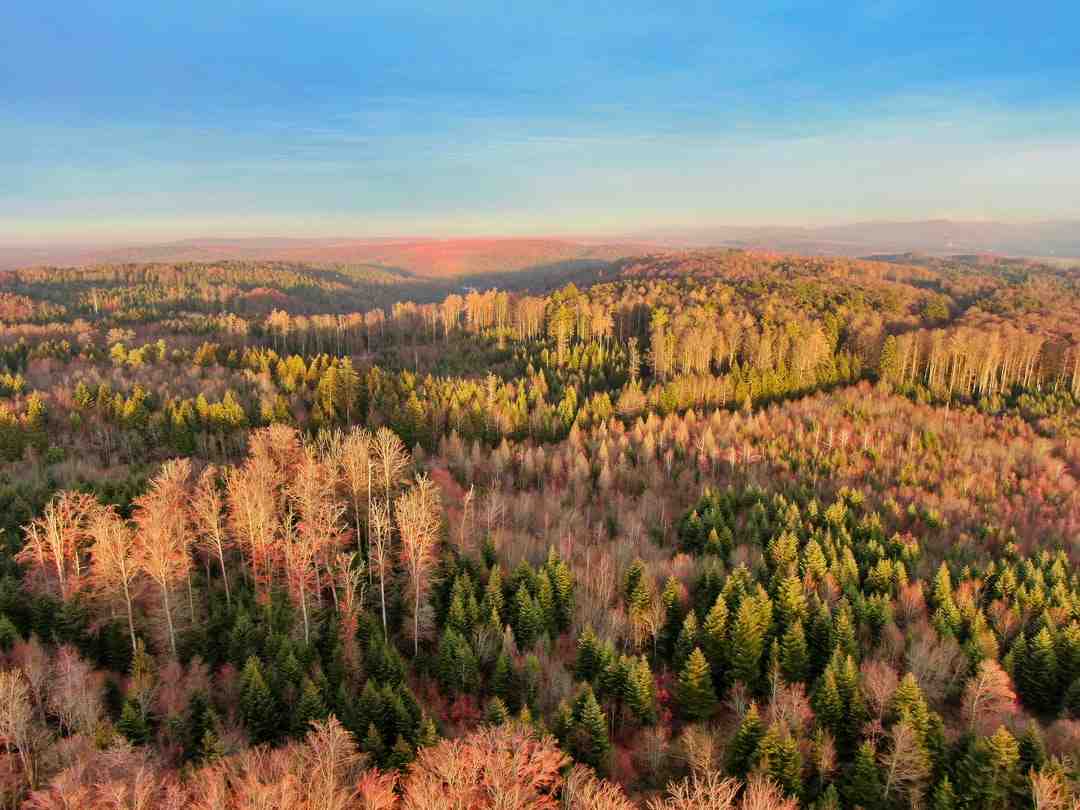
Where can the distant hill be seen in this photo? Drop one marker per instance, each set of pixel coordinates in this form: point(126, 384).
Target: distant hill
point(934, 237)
point(428, 258)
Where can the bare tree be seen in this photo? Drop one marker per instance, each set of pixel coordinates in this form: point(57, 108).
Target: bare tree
point(56, 543)
point(161, 517)
point(208, 514)
point(356, 465)
point(905, 764)
point(17, 722)
point(988, 696)
point(418, 516)
point(381, 551)
point(116, 560)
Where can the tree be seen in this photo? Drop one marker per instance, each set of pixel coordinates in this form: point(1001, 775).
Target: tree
point(161, 518)
point(905, 764)
point(863, 785)
point(208, 516)
point(17, 730)
point(56, 543)
point(356, 468)
point(988, 696)
point(591, 743)
point(257, 705)
point(743, 752)
point(419, 519)
point(116, 562)
point(695, 694)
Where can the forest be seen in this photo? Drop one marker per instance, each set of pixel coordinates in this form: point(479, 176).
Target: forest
point(695, 530)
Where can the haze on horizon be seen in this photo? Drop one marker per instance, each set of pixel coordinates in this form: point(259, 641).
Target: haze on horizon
point(135, 121)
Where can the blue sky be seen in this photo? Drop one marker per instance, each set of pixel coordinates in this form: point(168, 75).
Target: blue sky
point(138, 120)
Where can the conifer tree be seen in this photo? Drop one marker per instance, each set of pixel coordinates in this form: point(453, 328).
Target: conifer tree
point(794, 656)
point(743, 752)
point(257, 705)
point(496, 713)
point(862, 788)
point(640, 692)
point(132, 724)
point(309, 708)
point(686, 642)
point(943, 797)
point(590, 737)
point(1040, 676)
point(782, 761)
point(695, 694)
point(714, 641)
point(748, 642)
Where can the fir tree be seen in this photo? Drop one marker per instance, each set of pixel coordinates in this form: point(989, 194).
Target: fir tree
point(695, 694)
point(640, 692)
point(591, 743)
point(748, 642)
point(743, 752)
point(794, 656)
point(132, 724)
point(782, 761)
point(257, 705)
point(309, 707)
point(943, 796)
point(863, 788)
point(496, 713)
point(714, 640)
point(686, 642)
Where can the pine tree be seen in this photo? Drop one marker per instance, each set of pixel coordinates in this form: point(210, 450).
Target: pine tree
point(562, 582)
point(863, 785)
point(714, 640)
point(782, 761)
point(1041, 673)
point(1032, 749)
point(743, 753)
point(504, 682)
point(686, 642)
point(309, 708)
point(640, 692)
point(591, 743)
point(943, 797)
point(790, 601)
point(132, 724)
point(589, 659)
point(748, 640)
point(373, 743)
point(794, 656)
point(257, 705)
point(1004, 757)
point(400, 755)
point(9, 635)
point(528, 619)
point(496, 713)
point(695, 694)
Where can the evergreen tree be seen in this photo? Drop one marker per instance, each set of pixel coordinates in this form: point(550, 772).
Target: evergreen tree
point(695, 694)
point(794, 656)
point(782, 761)
point(590, 737)
point(748, 642)
point(309, 707)
point(257, 705)
point(528, 619)
point(496, 713)
point(132, 724)
point(863, 787)
point(640, 692)
point(943, 797)
point(686, 642)
point(1040, 679)
point(714, 640)
point(743, 752)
